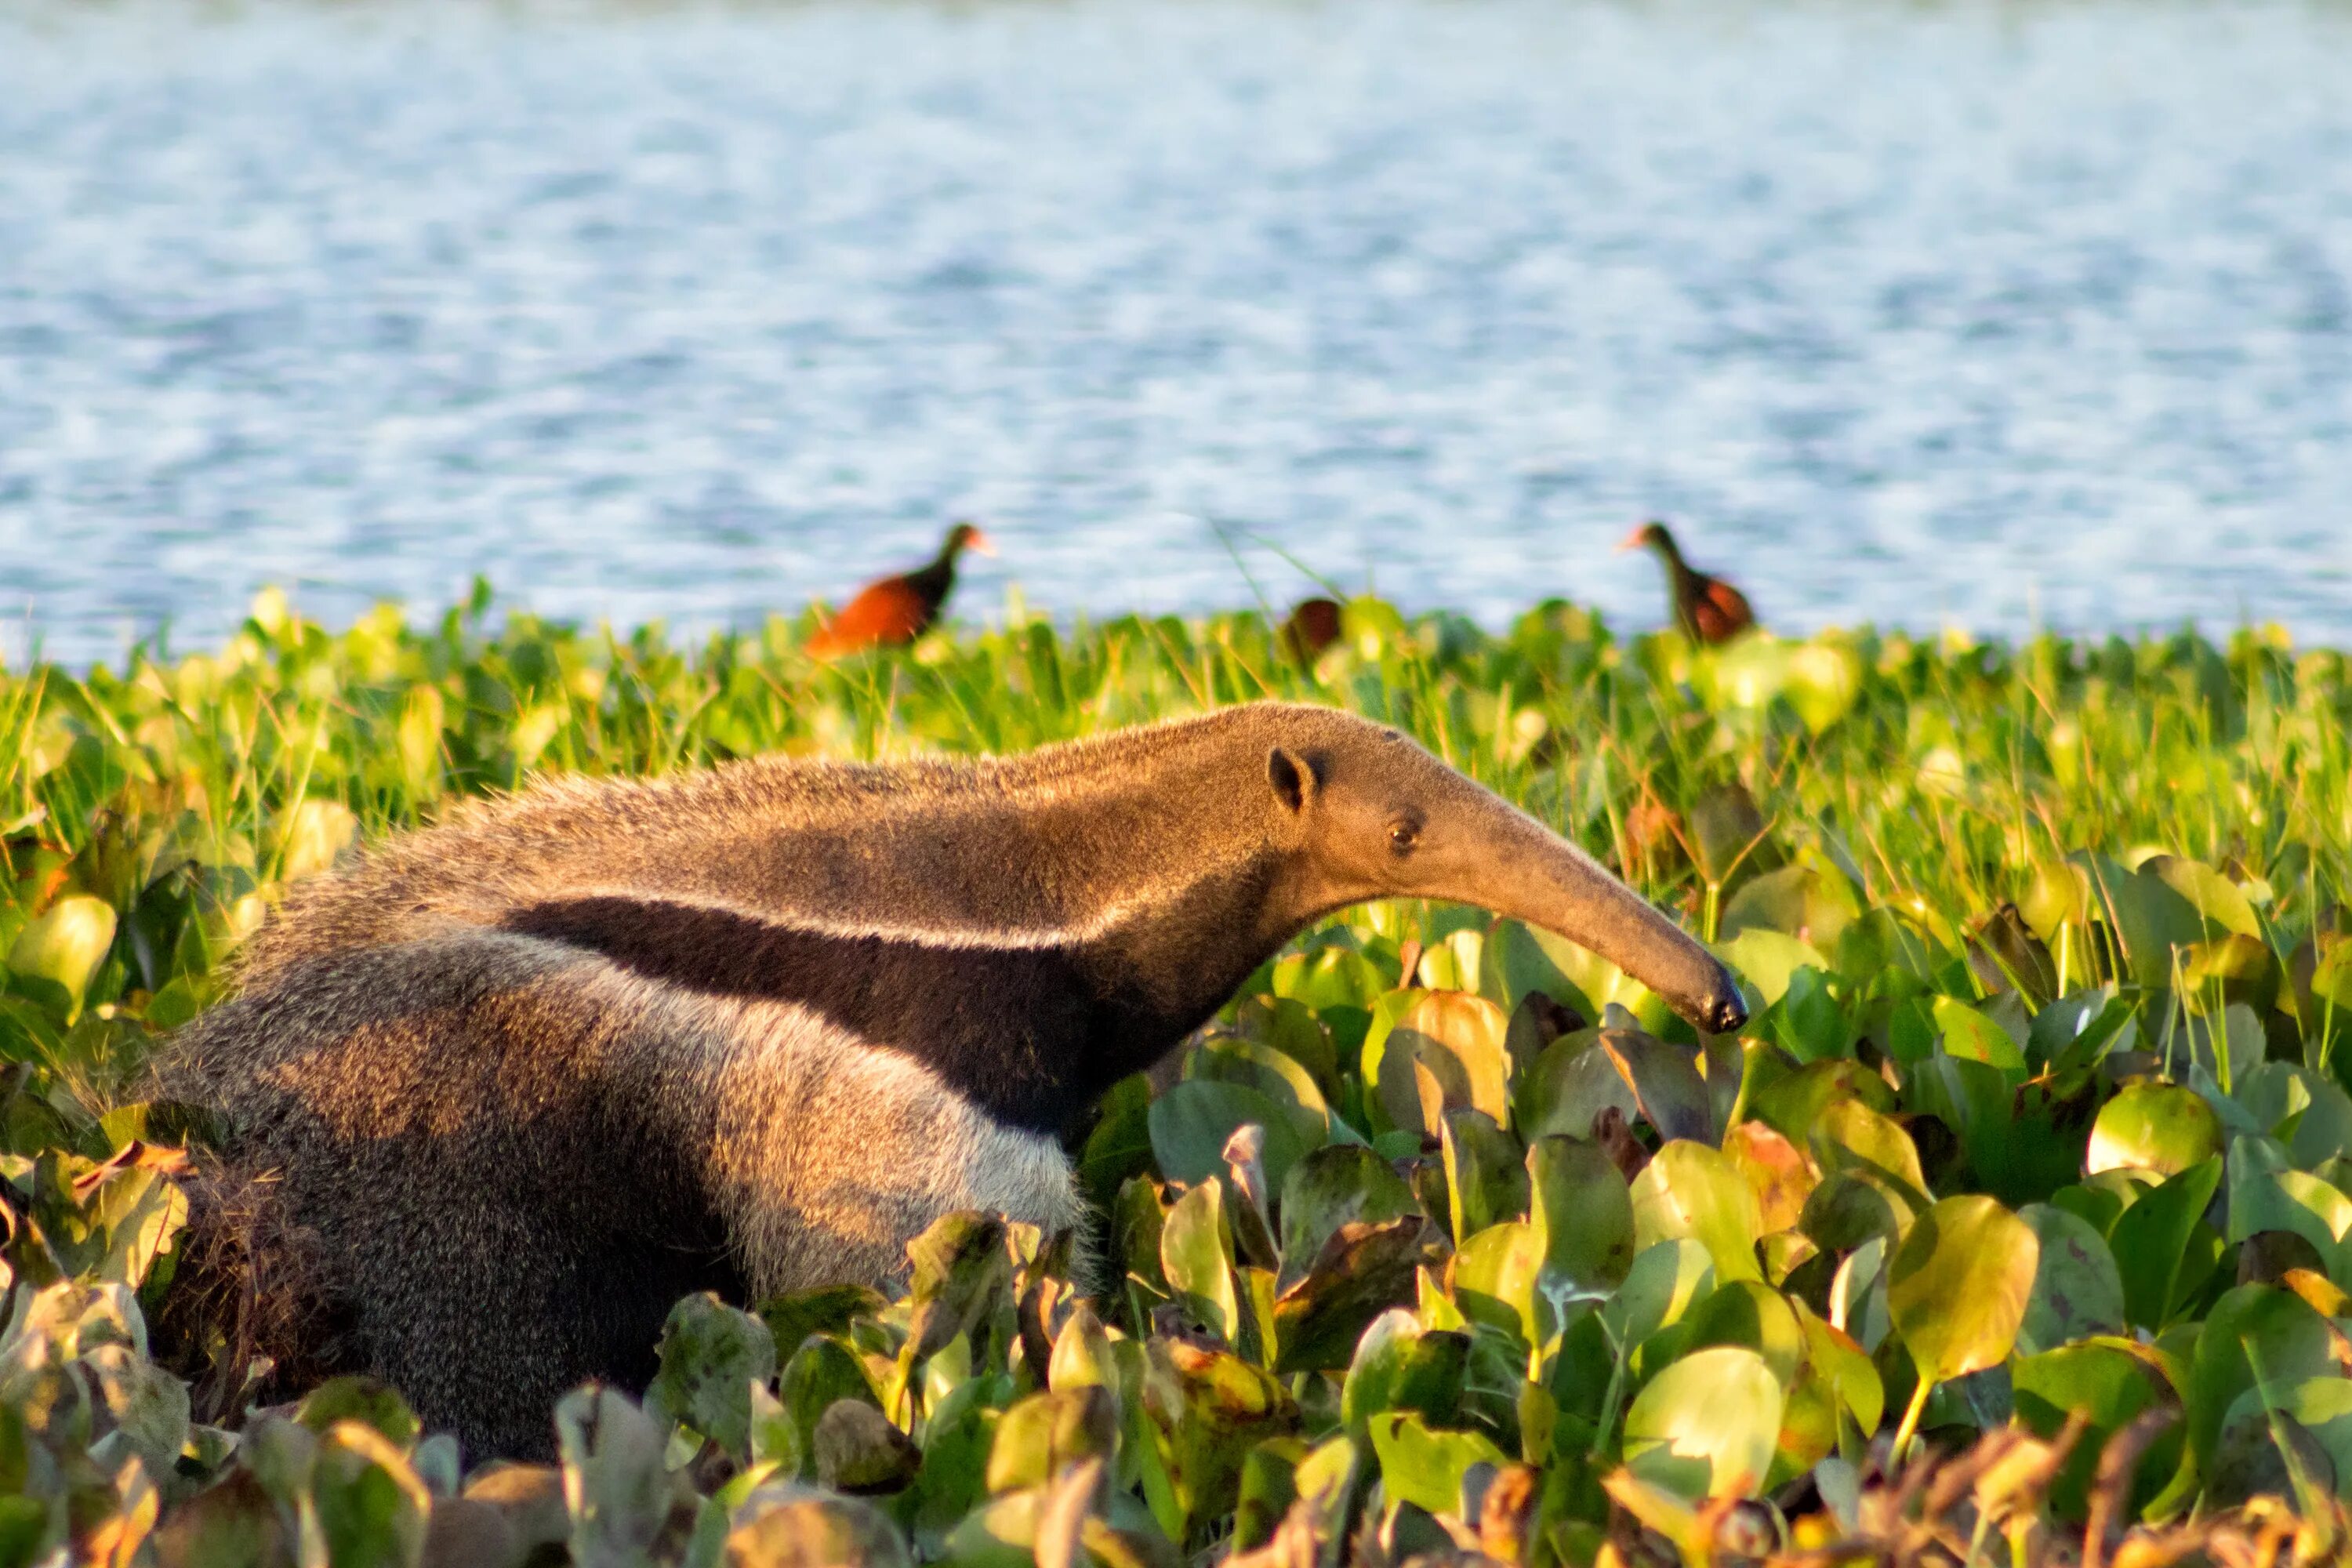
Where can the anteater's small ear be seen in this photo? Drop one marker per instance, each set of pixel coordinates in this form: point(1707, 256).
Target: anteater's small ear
point(1293, 777)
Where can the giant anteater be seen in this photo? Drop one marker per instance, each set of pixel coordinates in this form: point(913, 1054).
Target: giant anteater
point(522, 1080)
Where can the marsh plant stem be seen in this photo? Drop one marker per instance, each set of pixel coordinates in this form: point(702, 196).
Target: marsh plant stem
point(1904, 1433)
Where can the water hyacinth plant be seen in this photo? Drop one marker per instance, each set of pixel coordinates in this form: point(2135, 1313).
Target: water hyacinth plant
point(2017, 1224)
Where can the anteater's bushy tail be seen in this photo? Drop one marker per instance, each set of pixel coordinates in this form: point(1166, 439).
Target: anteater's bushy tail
point(253, 1313)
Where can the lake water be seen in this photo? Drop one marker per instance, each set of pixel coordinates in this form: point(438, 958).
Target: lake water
point(2008, 315)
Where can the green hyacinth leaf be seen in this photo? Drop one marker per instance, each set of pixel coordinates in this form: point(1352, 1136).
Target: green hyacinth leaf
point(1230, 1058)
point(1781, 1177)
point(2108, 1381)
point(2234, 969)
point(366, 1400)
point(1453, 961)
point(1192, 1121)
point(1769, 958)
point(1494, 1279)
point(1848, 1136)
point(371, 1508)
point(1790, 1104)
point(2220, 904)
point(960, 1277)
point(1196, 1258)
point(2266, 1452)
point(1331, 976)
point(614, 1479)
point(817, 1376)
point(1042, 1433)
point(1296, 1030)
point(1598, 982)
point(1850, 1208)
point(1486, 1172)
point(1516, 962)
point(1269, 1487)
point(1808, 1022)
point(1751, 1313)
point(1665, 1082)
point(821, 1309)
point(2154, 1127)
point(2298, 1202)
point(2077, 1291)
point(62, 947)
point(1661, 1287)
point(148, 1406)
point(808, 1528)
point(1334, 1185)
point(1081, 1356)
point(711, 1355)
point(1799, 899)
point(1708, 1425)
point(1119, 1147)
point(1970, 1035)
point(1691, 1191)
point(2321, 1407)
point(1385, 1011)
point(1581, 1213)
point(2151, 918)
point(1834, 1358)
point(2255, 1334)
point(1363, 1270)
point(1570, 1084)
point(1424, 1466)
point(1207, 1409)
point(859, 1451)
point(1958, 1285)
point(2311, 1114)
point(1459, 1040)
point(1399, 1365)
point(2150, 1242)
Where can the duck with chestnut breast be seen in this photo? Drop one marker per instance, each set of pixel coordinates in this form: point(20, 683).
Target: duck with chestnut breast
point(1707, 609)
point(897, 610)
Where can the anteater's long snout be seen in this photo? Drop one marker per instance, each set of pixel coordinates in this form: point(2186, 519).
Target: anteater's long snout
point(1547, 881)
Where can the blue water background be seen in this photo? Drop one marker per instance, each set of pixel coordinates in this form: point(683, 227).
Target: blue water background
point(2008, 315)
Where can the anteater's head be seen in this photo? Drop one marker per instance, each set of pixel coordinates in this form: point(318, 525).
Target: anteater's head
point(1362, 812)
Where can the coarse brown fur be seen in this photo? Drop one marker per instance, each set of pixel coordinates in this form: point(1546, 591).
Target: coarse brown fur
point(529, 1075)
point(252, 1308)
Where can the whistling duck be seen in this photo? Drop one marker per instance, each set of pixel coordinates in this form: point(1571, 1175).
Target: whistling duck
point(1313, 625)
point(897, 610)
point(1708, 609)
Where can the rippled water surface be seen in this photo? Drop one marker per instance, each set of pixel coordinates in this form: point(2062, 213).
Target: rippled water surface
point(2000, 314)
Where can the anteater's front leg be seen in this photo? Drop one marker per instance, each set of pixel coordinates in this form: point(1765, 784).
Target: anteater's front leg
point(829, 1155)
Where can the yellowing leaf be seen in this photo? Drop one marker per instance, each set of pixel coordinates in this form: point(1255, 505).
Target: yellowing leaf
point(1691, 1191)
point(1958, 1285)
point(1705, 1426)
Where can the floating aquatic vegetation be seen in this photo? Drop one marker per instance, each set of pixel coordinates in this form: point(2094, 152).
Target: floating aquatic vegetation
point(2019, 1219)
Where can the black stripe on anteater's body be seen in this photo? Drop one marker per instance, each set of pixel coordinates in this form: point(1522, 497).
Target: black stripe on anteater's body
point(530, 1076)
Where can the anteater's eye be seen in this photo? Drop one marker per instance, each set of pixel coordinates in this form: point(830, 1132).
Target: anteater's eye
point(1402, 838)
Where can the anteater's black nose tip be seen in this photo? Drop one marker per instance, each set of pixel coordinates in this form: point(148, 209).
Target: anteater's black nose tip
point(1729, 1013)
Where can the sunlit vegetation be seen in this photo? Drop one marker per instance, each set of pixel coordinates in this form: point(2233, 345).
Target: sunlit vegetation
point(2016, 1226)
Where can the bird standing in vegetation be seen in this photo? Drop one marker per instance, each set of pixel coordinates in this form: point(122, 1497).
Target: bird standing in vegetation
point(1708, 609)
point(897, 610)
point(1314, 626)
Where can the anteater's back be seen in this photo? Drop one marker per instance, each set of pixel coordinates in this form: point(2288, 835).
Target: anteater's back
point(492, 857)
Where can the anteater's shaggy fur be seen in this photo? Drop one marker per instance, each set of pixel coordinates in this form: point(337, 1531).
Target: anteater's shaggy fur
point(522, 1080)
